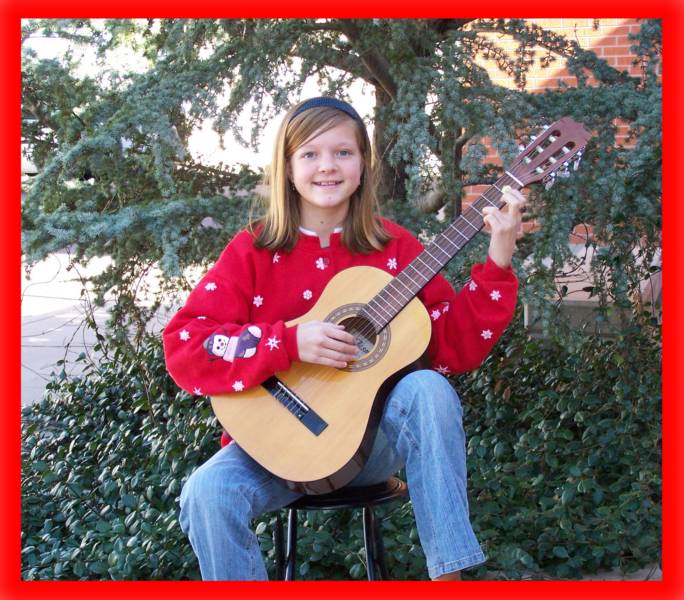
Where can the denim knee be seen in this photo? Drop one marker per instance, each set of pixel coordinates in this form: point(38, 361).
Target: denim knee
point(430, 391)
point(207, 495)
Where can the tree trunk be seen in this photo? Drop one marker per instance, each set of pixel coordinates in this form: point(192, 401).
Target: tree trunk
point(392, 184)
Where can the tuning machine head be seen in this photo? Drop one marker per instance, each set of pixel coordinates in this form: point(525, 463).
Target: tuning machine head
point(578, 158)
point(549, 180)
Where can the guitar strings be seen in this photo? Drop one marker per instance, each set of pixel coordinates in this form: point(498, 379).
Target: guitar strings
point(368, 327)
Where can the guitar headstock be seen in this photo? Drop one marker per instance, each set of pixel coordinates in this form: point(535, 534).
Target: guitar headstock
point(551, 150)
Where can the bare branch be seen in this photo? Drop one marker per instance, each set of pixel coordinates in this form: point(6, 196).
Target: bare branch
point(377, 65)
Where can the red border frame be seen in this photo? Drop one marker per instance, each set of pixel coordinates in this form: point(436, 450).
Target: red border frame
point(11, 586)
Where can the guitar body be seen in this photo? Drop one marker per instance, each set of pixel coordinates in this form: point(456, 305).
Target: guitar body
point(349, 401)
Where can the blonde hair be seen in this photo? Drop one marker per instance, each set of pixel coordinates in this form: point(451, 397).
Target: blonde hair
point(278, 227)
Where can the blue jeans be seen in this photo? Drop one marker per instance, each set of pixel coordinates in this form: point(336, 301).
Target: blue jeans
point(421, 428)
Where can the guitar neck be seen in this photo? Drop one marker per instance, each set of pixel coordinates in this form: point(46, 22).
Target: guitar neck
point(385, 305)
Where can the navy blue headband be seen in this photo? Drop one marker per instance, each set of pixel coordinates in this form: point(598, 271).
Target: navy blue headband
point(329, 102)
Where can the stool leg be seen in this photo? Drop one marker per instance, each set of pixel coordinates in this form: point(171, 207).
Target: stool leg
point(368, 542)
point(279, 544)
point(379, 547)
point(291, 544)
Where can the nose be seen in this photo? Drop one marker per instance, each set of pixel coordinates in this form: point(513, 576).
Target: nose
point(326, 163)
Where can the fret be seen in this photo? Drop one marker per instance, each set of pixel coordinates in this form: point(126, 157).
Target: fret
point(455, 228)
point(397, 291)
point(375, 300)
point(431, 255)
point(469, 223)
point(426, 264)
point(390, 300)
point(473, 207)
point(412, 266)
point(375, 311)
point(492, 202)
point(398, 278)
point(454, 244)
point(377, 325)
point(435, 244)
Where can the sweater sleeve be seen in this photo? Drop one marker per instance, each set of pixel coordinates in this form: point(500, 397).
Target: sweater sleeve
point(466, 324)
point(210, 345)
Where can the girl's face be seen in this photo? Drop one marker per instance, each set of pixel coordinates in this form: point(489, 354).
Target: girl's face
point(326, 170)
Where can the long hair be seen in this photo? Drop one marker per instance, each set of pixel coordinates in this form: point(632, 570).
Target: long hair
point(278, 227)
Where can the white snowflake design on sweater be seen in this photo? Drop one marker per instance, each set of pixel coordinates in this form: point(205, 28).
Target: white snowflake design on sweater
point(495, 295)
point(238, 386)
point(443, 370)
point(184, 335)
point(273, 343)
point(197, 391)
point(322, 263)
point(258, 301)
point(435, 314)
point(307, 295)
point(486, 334)
point(276, 258)
point(472, 286)
point(392, 264)
point(445, 308)
point(210, 287)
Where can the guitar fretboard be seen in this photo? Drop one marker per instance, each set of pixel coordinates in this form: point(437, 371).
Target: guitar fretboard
point(387, 304)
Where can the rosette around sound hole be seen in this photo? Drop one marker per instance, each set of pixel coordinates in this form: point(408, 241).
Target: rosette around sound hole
point(371, 346)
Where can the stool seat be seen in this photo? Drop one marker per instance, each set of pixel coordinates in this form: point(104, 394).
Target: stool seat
point(354, 496)
point(365, 497)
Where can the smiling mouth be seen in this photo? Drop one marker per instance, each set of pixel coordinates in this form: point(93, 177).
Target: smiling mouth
point(326, 183)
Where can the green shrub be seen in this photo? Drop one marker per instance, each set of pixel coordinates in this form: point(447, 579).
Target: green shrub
point(564, 449)
point(104, 456)
point(563, 453)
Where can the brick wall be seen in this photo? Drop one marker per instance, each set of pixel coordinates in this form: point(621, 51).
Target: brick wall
point(608, 38)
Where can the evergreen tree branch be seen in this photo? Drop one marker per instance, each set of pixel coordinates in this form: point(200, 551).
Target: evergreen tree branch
point(376, 63)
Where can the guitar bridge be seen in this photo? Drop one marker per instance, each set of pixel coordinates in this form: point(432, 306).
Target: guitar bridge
point(306, 415)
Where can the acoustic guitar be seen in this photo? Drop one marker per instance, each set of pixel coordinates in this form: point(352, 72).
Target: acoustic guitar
point(313, 426)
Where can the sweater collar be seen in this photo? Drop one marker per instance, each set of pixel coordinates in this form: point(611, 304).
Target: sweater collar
point(310, 237)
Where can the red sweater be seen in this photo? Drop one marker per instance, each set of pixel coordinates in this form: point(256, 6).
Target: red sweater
point(231, 333)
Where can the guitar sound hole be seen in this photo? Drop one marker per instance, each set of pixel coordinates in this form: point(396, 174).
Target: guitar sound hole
point(364, 333)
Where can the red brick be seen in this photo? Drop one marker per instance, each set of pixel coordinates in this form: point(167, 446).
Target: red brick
point(624, 61)
point(623, 30)
point(623, 40)
point(611, 41)
point(616, 51)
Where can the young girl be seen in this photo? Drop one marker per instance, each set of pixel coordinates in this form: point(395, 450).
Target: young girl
point(231, 335)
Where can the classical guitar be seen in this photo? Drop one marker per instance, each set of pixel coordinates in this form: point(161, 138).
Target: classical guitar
point(313, 426)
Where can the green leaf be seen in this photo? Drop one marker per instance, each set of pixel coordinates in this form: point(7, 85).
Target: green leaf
point(357, 571)
point(567, 496)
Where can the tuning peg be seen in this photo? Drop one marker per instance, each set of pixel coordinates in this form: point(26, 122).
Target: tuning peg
point(533, 137)
point(546, 127)
point(564, 170)
point(578, 159)
point(521, 147)
point(549, 180)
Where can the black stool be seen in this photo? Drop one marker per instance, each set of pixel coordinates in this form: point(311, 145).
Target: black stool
point(365, 497)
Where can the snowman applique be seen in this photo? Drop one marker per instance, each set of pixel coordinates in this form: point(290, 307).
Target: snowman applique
point(228, 348)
